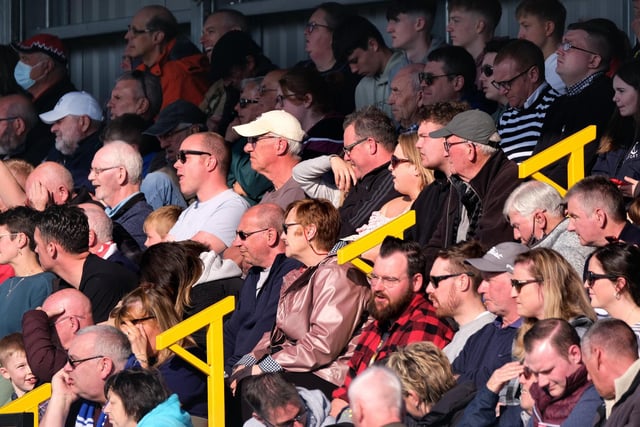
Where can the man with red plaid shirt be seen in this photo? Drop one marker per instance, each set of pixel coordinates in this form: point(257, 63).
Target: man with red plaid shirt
point(402, 314)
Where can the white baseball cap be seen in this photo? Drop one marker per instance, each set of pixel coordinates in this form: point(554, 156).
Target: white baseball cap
point(278, 122)
point(73, 104)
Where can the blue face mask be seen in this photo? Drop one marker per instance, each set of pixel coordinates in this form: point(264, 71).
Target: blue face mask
point(22, 74)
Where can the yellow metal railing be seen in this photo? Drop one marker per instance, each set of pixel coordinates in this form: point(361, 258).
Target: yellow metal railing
point(214, 367)
point(572, 146)
point(351, 252)
point(29, 402)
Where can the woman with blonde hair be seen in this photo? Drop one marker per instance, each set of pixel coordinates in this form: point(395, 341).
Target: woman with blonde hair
point(431, 394)
point(143, 315)
point(546, 286)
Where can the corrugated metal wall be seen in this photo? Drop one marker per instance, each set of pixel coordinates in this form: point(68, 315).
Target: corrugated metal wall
point(94, 29)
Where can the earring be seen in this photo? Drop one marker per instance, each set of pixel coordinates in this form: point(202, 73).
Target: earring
point(617, 295)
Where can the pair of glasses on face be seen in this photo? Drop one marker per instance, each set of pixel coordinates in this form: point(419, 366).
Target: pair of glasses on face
point(519, 284)
point(98, 171)
point(448, 145)
point(429, 78)
point(387, 281)
point(136, 32)
point(244, 235)
point(75, 362)
point(243, 102)
point(280, 98)
point(286, 226)
point(566, 46)
point(311, 26)
point(301, 418)
point(506, 84)
point(487, 70)
point(396, 161)
point(182, 154)
point(592, 277)
point(347, 148)
point(435, 280)
point(253, 140)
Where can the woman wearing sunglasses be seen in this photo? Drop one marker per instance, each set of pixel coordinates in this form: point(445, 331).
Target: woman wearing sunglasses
point(546, 286)
point(409, 178)
point(613, 282)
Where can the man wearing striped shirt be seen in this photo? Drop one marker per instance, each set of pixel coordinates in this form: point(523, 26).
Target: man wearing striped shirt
point(518, 73)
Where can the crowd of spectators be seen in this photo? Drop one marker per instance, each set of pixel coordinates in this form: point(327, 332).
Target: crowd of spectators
point(214, 173)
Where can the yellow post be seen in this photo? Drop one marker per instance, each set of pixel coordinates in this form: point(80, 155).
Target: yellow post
point(214, 367)
point(353, 250)
point(29, 402)
point(573, 146)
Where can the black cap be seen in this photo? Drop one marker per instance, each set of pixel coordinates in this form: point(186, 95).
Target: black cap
point(175, 114)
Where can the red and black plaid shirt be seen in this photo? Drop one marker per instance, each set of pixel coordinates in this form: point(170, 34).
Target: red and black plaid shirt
point(417, 323)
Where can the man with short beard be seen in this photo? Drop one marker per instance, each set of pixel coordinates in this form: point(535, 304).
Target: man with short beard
point(401, 313)
point(76, 119)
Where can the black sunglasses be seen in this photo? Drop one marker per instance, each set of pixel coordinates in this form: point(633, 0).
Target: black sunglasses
point(395, 161)
point(182, 154)
point(518, 284)
point(429, 78)
point(243, 102)
point(435, 280)
point(285, 226)
point(487, 70)
point(243, 235)
point(591, 277)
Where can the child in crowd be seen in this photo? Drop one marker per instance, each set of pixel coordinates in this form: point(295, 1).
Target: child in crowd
point(159, 222)
point(14, 366)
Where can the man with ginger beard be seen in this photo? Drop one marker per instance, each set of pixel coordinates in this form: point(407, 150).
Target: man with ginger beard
point(401, 313)
point(453, 291)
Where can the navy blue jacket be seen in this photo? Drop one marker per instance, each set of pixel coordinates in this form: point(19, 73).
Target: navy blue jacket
point(254, 315)
point(485, 351)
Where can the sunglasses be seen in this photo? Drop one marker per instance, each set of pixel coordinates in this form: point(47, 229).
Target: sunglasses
point(591, 277)
point(487, 70)
point(429, 78)
point(243, 102)
point(519, 284)
point(395, 161)
point(435, 280)
point(243, 235)
point(285, 226)
point(182, 154)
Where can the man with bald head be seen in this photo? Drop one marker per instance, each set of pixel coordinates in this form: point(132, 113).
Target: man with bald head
point(152, 36)
point(405, 97)
point(268, 90)
point(116, 174)
point(219, 23)
point(49, 184)
point(48, 330)
point(202, 167)
point(259, 243)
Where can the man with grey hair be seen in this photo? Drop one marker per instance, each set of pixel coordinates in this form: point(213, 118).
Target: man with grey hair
point(95, 353)
point(610, 354)
point(596, 211)
point(76, 120)
point(481, 179)
point(116, 173)
point(101, 242)
point(535, 210)
point(274, 145)
point(376, 398)
point(136, 93)
point(406, 96)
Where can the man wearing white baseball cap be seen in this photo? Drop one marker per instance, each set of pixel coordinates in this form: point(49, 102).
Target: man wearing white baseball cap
point(274, 143)
point(76, 119)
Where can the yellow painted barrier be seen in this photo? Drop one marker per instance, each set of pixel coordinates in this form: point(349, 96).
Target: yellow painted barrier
point(353, 250)
point(214, 367)
point(573, 146)
point(29, 402)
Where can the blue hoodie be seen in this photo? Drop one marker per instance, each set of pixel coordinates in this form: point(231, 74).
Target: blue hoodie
point(167, 414)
